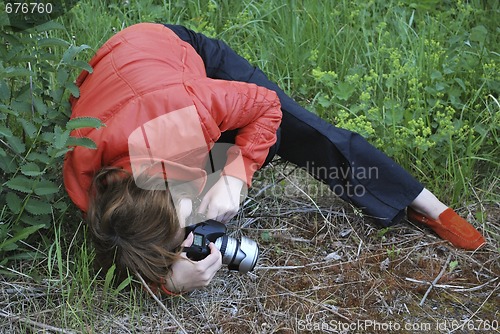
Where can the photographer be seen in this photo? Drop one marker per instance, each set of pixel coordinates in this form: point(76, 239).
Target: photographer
point(168, 95)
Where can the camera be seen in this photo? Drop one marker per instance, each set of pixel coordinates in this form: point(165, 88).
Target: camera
point(238, 255)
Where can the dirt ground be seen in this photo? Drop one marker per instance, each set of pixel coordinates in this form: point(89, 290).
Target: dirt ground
point(324, 267)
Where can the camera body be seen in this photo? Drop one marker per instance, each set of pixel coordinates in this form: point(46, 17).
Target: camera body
point(237, 255)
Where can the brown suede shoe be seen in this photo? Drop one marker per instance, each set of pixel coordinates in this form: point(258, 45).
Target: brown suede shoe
point(450, 226)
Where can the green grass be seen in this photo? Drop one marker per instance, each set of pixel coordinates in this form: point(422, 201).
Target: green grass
point(419, 79)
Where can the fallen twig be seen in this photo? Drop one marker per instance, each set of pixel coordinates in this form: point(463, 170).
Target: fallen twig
point(456, 288)
point(279, 267)
point(146, 286)
point(33, 323)
point(460, 289)
point(443, 286)
point(438, 277)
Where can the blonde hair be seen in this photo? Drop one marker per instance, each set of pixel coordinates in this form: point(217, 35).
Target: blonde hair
point(133, 227)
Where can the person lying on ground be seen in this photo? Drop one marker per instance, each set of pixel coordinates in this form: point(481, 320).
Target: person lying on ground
point(169, 97)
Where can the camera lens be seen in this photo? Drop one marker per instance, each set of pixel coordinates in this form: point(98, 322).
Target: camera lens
point(241, 256)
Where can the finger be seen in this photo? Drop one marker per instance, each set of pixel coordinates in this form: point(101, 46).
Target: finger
point(214, 258)
point(215, 252)
point(188, 241)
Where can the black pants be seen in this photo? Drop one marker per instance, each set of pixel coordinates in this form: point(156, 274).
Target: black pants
point(354, 169)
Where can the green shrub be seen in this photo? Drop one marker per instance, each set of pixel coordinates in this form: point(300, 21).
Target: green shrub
point(34, 133)
point(423, 94)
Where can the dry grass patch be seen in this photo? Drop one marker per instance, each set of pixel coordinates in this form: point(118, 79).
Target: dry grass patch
point(324, 268)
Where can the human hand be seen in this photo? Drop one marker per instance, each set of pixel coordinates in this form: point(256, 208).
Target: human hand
point(187, 275)
point(222, 201)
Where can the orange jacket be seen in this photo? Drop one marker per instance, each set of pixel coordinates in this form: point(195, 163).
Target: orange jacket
point(150, 85)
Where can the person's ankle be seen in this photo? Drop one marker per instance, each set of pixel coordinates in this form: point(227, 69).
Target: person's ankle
point(428, 204)
point(431, 212)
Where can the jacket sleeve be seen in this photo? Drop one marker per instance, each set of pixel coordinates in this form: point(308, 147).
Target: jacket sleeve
point(254, 111)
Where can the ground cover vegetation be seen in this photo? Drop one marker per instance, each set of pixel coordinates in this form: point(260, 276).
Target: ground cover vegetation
point(419, 79)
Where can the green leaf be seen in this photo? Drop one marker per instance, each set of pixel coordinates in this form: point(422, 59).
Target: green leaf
point(39, 105)
point(50, 25)
point(7, 164)
point(38, 207)
point(478, 34)
point(266, 236)
point(20, 183)
point(436, 75)
point(42, 157)
point(21, 106)
point(4, 90)
point(32, 220)
point(126, 282)
point(57, 93)
point(453, 265)
point(62, 76)
point(84, 122)
point(60, 137)
point(72, 51)
point(82, 65)
point(343, 90)
point(108, 281)
point(50, 42)
point(13, 202)
point(46, 187)
point(461, 83)
point(481, 129)
point(5, 132)
point(55, 153)
point(17, 72)
point(29, 128)
point(31, 169)
point(7, 110)
point(61, 206)
point(82, 141)
point(73, 89)
point(16, 144)
point(21, 235)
